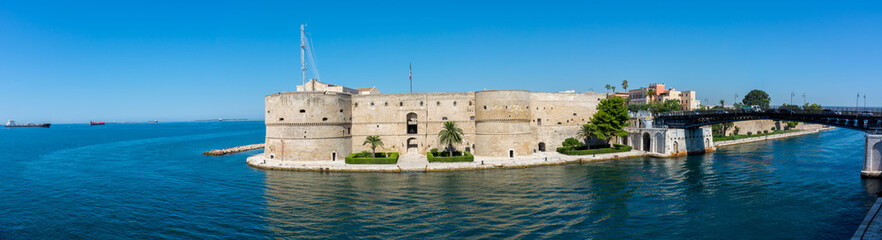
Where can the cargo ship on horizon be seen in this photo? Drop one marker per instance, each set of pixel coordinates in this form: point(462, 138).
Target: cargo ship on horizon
point(11, 124)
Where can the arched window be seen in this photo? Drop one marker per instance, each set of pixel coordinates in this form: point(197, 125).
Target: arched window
point(443, 118)
point(472, 118)
point(538, 121)
point(411, 123)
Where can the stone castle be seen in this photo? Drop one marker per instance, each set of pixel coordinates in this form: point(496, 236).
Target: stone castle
point(325, 122)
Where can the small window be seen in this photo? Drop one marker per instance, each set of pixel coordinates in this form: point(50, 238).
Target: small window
point(454, 103)
point(558, 123)
point(438, 104)
point(443, 118)
point(485, 107)
point(302, 111)
point(324, 119)
point(472, 118)
point(470, 103)
point(386, 104)
point(267, 111)
point(574, 114)
point(372, 104)
point(341, 110)
point(421, 103)
point(281, 119)
point(356, 104)
point(401, 104)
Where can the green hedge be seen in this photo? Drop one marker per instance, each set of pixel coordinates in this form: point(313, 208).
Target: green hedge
point(467, 157)
point(360, 158)
point(615, 149)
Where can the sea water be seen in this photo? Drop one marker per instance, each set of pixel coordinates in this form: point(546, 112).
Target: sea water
point(150, 181)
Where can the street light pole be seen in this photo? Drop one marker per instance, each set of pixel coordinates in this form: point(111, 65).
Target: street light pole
point(791, 97)
point(856, 102)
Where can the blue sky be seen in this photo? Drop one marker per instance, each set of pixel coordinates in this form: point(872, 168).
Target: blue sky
point(70, 61)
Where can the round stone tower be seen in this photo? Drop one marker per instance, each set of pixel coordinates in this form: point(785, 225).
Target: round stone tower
point(502, 123)
point(308, 126)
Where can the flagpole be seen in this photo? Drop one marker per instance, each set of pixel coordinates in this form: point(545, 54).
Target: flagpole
point(410, 76)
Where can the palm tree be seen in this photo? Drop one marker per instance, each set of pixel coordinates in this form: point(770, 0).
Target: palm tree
point(722, 103)
point(651, 94)
point(374, 141)
point(584, 133)
point(607, 88)
point(449, 135)
point(625, 85)
point(614, 89)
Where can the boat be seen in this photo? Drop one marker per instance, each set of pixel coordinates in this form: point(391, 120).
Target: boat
point(154, 121)
point(91, 123)
point(11, 124)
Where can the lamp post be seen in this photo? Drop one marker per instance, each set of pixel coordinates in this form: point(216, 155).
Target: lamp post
point(791, 97)
point(856, 102)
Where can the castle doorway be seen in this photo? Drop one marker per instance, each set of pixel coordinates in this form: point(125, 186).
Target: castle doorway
point(646, 142)
point(412, 146)
point(542, 147)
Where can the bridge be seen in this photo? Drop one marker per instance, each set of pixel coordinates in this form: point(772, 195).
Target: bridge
point(866, 121)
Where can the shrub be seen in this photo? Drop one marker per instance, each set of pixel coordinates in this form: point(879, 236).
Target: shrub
point(571, 142)
point(765, 131)
point(434, 150)
point(461, 157)
point(365, 158)
point(749, 133)
point(574, 151)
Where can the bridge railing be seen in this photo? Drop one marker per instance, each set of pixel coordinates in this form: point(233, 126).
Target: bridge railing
point(831, 111)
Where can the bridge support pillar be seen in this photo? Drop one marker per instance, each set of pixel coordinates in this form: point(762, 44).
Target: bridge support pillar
point(873, 157)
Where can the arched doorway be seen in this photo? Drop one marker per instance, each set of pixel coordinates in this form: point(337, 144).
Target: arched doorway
point(411, 123)
point(542, 147)
point(660, 143)
point(676, 147)
point(412, 145)
point(877, 152)
point(647, 141)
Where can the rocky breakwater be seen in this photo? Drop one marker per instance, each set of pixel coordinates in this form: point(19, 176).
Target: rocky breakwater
point(225, 151)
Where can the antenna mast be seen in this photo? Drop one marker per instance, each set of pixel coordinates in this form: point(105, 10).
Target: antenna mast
point(303, 53)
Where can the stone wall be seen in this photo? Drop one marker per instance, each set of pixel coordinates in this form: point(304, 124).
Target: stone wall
point(309, 126)
point(755, 126)
point(497, 123)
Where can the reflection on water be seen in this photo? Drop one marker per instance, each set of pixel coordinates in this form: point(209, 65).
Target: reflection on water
point(792, 188)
